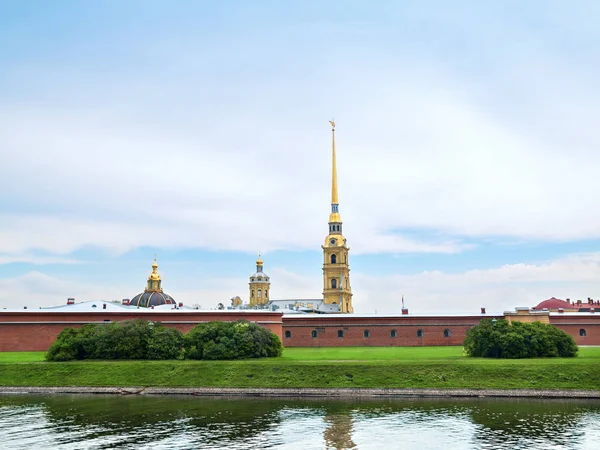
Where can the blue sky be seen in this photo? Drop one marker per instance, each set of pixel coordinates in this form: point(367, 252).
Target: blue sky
point(466, 132)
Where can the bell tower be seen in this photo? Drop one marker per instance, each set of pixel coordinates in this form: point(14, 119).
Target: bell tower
point(336, 269)
point(259, 286)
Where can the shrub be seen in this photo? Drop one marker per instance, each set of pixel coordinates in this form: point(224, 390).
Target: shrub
point(165, 343)
point(500, 339)
point(231, 340)
point(135, 339)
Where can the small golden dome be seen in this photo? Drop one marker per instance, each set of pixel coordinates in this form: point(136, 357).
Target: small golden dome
point(154, 275)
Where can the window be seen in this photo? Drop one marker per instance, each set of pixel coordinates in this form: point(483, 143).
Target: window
point(333, 283)
point(420, 333)
point(333, 259)
point(252, 293)
point(288, 334)
point(446, 332)
point(393, 333)
point(260, 293)
point(582, 332)
point(266, 293)
point(367, 334)
point(340, 333)
point(313, 333)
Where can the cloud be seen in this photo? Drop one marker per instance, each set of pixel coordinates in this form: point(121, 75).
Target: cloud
point(36, 259)
point(499, 289)
point(441, 163)
point(455, 126)
point(36, 289)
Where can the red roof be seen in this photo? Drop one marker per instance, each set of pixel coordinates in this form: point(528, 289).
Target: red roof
point(554, 303)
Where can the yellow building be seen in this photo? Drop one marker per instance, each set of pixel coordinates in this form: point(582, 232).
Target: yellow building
point(336, 269)
point(259, 286)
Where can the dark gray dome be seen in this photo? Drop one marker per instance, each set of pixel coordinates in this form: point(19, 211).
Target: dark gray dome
point(148, 299)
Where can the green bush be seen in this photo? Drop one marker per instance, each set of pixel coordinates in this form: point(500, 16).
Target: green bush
point(135, 339)
point(500, 339)
point(231, 340)
point(140, 339)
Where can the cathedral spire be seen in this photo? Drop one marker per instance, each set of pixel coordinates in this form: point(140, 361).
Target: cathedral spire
point(334, 189)
point(337, 294)
point(335, 216)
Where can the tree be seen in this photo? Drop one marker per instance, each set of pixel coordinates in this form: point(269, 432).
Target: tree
point(500, 339)
point(231, 340)
point(134, 339)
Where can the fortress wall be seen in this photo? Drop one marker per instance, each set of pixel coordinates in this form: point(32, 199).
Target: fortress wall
point(37, 330)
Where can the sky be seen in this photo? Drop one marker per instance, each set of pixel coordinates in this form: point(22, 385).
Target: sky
point(466, 136)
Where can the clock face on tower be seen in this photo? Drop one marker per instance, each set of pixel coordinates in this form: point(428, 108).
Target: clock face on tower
point(332, 241)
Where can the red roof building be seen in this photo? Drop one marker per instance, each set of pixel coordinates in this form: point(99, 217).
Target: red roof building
point(554, 304)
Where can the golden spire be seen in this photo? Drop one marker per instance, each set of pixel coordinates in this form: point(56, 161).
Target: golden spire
point(334, 217)
point(154, 275)
point(334, 190)
point(259, 261)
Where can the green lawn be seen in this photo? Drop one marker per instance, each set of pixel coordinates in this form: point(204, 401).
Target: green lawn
point(372, 353)
point(387, 367)
point(15, 357)
point(369, 355)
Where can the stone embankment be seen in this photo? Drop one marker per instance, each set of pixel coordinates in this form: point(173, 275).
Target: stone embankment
point(306, 392)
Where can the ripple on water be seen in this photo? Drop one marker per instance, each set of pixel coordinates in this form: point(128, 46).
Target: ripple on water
point(106, 422)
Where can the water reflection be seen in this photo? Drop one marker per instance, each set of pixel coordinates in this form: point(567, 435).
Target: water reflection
point(64, 421)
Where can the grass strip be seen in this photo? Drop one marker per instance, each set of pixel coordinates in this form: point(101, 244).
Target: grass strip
point(348, 367)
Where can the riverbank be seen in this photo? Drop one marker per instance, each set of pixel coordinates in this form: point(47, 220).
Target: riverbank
point(396, 368)
point(305, 392)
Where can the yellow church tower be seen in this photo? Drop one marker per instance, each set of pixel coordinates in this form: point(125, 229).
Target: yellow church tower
point(259, 286)
point(336, 270)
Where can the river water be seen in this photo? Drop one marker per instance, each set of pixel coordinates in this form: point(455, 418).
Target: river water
point(128, 422)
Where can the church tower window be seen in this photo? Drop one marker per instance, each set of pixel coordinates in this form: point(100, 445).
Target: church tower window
point(333, 259)
point(333, 283)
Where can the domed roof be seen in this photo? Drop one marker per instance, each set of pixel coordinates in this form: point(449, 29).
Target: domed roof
point(260, 276)
point(554, 303)
point(153, 295)
point(155, 298)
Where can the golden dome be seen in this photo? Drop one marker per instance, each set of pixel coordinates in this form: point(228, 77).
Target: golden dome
point(334, 217)
point(154, 275)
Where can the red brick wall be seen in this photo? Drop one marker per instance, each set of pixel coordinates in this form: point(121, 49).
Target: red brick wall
point(36, 331)
point(573, 324)
point(380, 329)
